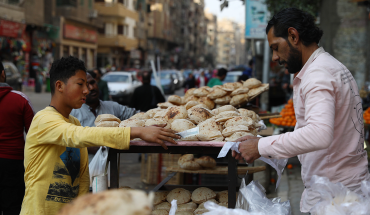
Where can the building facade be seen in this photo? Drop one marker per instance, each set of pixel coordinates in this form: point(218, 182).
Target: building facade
point(211, 40)
point(226, 43)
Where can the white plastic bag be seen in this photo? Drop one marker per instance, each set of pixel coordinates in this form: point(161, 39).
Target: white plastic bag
point(173, 207)
point(214, 209)
point(336, 199)
point(98, 165)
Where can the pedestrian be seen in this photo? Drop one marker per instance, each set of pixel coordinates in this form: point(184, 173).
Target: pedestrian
point(221, 75)
point(103, 86)
point(56, 161)
point(146, 96)
point(329, 134)
point(189, 82)
point(202, 80)
point(15, 119)
point(248, 71)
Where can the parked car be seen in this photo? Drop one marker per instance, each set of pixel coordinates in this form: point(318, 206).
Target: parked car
point(168, 81)
point(13, 76)
point(121, 86)
point(232, 76)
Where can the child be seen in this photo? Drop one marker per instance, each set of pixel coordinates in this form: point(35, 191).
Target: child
point(56, 159)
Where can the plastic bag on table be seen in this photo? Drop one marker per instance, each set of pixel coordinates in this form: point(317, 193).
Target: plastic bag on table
point(214, 209)
point(173, 207)
point(336, 199)
point(98, 165)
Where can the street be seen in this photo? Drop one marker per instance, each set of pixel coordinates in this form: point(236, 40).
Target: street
point(291, 186)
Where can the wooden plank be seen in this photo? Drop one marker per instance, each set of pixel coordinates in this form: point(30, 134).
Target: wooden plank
point(270, 116)
point(219, 170)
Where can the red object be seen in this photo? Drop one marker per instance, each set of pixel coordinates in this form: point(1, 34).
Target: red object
point(16, 117)
point(81, 34)
point(197, 83)
point(11, 29)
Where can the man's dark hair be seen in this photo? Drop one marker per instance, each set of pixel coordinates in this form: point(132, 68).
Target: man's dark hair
point(250, 63)
point(221, 72)
point(302, 21)
point(146, 76)
point(92, 73)
point(99, 71)
point(63, 69)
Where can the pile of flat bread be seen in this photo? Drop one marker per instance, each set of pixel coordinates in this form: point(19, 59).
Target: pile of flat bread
point(112, 202)
point(225, 123)
point(188, 162)
point(234, 94)
point(188, 203)
point(107, 120)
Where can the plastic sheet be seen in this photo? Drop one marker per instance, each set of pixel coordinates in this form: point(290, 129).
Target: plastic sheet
point(336, 199)
point(98, 165)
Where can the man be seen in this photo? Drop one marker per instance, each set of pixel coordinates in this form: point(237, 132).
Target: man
point(190, 82)
point(248, 71)
point(103, 86)
point(16, 114)
point(329, 134)
point(56, 163)
point(221, 75)
point(202, 80)
point(146, 97)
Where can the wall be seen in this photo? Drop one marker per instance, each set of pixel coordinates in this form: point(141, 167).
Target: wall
point(34, 16)
point(12, 13)
point(346, 26)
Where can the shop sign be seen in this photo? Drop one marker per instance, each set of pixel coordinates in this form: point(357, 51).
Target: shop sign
point(256, 19)
point(11, 29)
point(81, 34)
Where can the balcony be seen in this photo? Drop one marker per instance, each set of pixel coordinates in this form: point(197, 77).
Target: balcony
point(118, 41)
point(115, 9)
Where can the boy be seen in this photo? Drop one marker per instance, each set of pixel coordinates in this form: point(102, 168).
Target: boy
point(56, 160)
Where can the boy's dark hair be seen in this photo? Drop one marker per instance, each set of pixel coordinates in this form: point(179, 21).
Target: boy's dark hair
point(63, 69)
point(221, 72)
point(92, 73)
point(292, 17)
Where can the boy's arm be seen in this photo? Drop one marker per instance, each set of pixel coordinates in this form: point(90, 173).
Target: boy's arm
point(84, 173)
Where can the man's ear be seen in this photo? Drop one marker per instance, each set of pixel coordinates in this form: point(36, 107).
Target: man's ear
point(293, 36)
point(59, 86)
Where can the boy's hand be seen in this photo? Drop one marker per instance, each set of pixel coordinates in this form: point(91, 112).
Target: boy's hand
point(156, 134)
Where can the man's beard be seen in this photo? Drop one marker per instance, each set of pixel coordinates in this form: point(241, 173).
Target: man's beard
point(90, 100)
point(294, 63)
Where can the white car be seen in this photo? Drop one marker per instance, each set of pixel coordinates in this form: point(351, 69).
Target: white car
point(121, 86)
point(232, 76)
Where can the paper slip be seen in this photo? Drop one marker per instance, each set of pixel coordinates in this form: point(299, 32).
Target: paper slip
point(189, 133)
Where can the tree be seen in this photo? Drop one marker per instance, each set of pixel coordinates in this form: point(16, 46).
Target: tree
point(310, 6)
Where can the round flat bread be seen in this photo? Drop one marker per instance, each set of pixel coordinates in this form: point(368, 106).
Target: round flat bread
point(198, 115)
point(224, 119)
point(163, 206)
point(238, 135)
point(141, 115)
point(237, 85)
point(114, 201)
point(157, 121)
point(223, 100)
point(201, 206)
point(241, 90)
point(107, 124)
point(180, 125)
point(178, 112)
point(202, 194)
point(185, 158)
point(208, 102)
point(209, 130)
point(216, 93)
point(159, 212)
point(200, 211)
point(184, 213)
point(201, 106)
point(227, 114)
point(223, 196)
point(160, 197)
point(189, 207)
point(132, 123)
point(190, 165)
point(233, 129)
point(239, 99)
point(248, 113)
point(191, 98)
point(224, 108)
point(150, 113)
point(201, 92)
point(191, 104)
point(165, 105)
point(189, 92)
point(175, 99)
point(106, 117)
point(239, 121)
point(181, 195)
point(252, 83)
point(206, 162)
point(160, 114)
point(229, 87)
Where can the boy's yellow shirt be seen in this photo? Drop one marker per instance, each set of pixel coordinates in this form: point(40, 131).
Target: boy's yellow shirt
point(56, 159)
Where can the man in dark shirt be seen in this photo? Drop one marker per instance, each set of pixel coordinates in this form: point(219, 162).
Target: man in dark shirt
point(103, 86)
point(146, 97)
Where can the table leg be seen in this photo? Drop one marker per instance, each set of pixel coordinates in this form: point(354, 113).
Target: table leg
point(232, 180)
point(114, 176)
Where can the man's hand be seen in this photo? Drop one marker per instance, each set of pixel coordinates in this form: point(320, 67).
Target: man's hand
point(155, 134)
point(248, 149)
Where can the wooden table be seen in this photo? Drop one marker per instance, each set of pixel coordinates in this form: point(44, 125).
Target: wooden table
point(192, 147)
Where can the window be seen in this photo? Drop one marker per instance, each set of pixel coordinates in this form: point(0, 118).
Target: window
point(120, 29)
point(102, 30)
point(84, 56)
point(72, 3)
point(136, 34)
point(75, 52)
point(65, 51)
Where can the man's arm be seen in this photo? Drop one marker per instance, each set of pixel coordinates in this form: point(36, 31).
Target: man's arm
point(124, 112)
point(84, 173)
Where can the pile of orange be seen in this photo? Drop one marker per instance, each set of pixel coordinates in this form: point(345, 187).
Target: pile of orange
point(288, 116)
point(367, 116)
